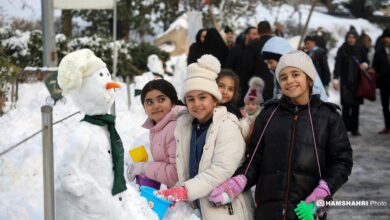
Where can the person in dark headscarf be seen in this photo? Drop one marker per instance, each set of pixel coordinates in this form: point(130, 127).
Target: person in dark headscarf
point(196, 49)
point(350, 58)
point(215, 45)
point(381, 65)
point(229, 37)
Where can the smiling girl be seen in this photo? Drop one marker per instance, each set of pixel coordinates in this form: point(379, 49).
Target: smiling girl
point(210, 145)
point(299, 149)
point(229, 85)
point(160, 102)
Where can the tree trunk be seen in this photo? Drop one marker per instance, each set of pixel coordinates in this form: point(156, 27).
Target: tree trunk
point(66, 22)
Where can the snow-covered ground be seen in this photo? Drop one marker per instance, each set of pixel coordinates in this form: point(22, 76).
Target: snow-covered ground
point(371, 169)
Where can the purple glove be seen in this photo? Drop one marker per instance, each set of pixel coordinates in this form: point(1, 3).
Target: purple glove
point(320, 192)
point(135, 169)
point(232, 187)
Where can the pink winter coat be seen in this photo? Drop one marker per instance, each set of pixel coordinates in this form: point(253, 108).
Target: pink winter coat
point(163, 148)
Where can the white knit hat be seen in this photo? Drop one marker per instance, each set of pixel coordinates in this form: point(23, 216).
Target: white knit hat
point(75, 66)
point(201, 76)
point(297, 59)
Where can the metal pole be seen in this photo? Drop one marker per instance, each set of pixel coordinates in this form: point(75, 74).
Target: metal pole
point(48, 170)
point(49, 46)
point(313, 5)
point(128, 91)
point(115, 58)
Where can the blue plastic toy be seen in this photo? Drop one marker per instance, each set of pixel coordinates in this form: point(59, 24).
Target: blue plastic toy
point(157, 204)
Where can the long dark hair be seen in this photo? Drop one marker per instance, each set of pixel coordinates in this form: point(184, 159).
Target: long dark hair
point(163, 86)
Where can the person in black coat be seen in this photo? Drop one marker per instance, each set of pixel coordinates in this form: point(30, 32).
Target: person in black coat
point(253, 62)
point(299, 149)
point(381, 65)
point(350, 58)
point(215, 45)
point(234, 59)
point(320, 59)
point(197, 49)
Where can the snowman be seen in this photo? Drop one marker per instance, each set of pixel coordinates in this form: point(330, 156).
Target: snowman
point(91, 183)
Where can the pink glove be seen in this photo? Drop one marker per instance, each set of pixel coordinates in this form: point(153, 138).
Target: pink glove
point(320, 192)
point(233, 187)
point(174, 194)
point(135, 169)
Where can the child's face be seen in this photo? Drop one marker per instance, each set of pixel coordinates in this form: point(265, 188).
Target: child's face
point(157, 105)
point(200, 105)
point(295, 85)
point(251, 107)
point(227, 88)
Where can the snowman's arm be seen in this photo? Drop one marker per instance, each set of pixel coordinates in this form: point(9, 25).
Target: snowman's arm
point(73, 180)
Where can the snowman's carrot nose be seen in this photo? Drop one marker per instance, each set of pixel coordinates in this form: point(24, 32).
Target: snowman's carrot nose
point(112, 85)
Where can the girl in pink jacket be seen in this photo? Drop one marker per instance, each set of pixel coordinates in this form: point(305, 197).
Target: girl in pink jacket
point(160, 102)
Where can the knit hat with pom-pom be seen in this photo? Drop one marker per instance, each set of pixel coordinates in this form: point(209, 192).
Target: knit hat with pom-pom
point(75, 66)
point(255, 91)
point(201, 76)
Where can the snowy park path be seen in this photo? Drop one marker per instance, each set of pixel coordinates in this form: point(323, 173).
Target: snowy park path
point(370, 178)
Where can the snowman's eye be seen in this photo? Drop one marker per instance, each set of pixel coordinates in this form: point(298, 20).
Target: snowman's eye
point(101, 74)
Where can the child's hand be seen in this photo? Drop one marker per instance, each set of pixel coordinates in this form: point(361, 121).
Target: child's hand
point(232, 187)
point(135, 169)
point(174, 194)
point(220, 199)
point(320, 192)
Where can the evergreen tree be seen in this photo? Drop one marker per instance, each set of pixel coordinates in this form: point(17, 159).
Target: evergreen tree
point(133, 15)
point(8, 73)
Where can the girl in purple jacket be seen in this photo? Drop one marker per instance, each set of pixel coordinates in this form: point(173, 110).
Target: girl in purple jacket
point(160, 102)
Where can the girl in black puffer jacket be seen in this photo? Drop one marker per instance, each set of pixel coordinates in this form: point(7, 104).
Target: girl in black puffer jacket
point(299, 149)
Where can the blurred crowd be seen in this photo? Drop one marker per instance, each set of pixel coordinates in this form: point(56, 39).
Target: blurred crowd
point(252, 54)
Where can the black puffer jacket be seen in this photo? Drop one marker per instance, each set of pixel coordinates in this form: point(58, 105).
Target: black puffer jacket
point(284, 168)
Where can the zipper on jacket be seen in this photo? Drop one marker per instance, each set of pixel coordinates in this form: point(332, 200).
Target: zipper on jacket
point(291, 146)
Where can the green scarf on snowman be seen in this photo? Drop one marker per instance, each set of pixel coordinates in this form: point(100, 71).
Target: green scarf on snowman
point(116, 149)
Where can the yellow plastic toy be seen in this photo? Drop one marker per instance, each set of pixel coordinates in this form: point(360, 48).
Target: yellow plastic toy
point(139, 154)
